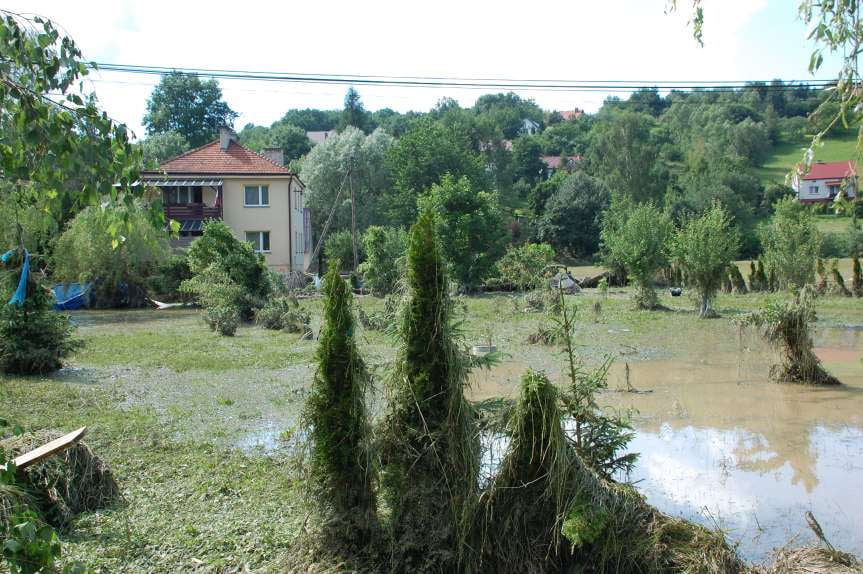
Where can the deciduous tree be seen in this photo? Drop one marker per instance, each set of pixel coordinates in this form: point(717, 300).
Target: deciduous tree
point(192, 107)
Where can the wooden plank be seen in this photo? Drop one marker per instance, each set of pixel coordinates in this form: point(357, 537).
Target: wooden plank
point(49, 449)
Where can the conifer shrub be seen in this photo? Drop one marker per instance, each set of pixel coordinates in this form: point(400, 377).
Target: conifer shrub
point(33, 338)
point(342, 471)
point(547, 511)
point(838, 280)
point(429, 438)
point(737, 281)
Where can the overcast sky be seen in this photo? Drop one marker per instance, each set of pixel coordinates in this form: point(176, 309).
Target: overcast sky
point(572, 40)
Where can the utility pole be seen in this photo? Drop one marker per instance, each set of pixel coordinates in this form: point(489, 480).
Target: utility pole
point(353, 212)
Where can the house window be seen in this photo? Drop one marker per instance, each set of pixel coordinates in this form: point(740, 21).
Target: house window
point(257, 195)
point(182, 195)
point(260, 240)
point(813, 190)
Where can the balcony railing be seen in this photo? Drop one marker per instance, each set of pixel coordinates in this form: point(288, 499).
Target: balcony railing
point(186, 211)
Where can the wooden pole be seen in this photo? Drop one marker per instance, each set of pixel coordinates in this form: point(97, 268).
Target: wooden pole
point(353, 213)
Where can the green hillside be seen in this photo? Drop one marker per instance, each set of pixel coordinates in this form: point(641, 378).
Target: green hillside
point(785, 155)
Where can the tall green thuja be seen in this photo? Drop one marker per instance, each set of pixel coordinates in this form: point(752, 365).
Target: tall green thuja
point(431, 451)
point(341, 470)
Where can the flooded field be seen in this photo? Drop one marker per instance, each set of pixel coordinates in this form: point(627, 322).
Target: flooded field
point(721, 444)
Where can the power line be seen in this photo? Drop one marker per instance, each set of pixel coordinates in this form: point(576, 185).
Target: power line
point(605, 86)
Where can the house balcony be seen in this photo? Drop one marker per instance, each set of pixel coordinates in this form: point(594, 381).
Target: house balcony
point(192, 212)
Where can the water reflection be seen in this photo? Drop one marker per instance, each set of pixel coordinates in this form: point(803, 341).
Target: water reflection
point(723, 445)
point(732, 478)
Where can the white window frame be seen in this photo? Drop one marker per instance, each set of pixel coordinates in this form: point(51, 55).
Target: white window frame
point(261, 189)
point(258, 244)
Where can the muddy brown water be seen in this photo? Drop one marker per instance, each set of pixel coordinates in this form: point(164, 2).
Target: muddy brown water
point(721, 444)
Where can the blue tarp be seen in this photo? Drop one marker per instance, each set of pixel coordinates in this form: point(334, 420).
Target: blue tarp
point(72, 296)
point(20, 293)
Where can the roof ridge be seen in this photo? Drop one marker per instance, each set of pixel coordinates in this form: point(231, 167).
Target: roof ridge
point(187, 152)
point(289, 170)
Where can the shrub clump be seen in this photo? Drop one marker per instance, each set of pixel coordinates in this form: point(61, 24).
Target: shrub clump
point(34, 339)
point(219, 259)
point(786, 327)
point(284, 313)
point(114, 249)
point(524, 267)
point(385, 252)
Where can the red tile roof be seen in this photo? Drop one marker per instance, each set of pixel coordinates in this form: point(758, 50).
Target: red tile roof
point(210, 159)
point(831, 170)
point(571, 114)
point(553, 161)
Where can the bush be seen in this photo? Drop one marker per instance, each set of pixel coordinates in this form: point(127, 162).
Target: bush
point(339, 246)
point(834, 245)
point(33, 338)
point(791, 244)
point(219, 258)
point(165, 283)
point(470, 226)
point(635, 237)
point(385, 251)
point(284, 313)
point(523, 267)
point(114, 249)
point(223, 319)
point(221, 298)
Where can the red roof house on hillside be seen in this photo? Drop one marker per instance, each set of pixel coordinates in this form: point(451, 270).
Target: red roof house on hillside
point(826, 180)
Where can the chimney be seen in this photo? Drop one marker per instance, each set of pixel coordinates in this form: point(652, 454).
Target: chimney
point(226, 136)
point(274, 154)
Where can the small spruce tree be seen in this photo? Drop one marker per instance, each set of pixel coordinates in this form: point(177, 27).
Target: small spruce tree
point(33, 338)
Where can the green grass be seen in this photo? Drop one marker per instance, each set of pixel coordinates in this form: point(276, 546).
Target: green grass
point(184, 342)
point(786, 155)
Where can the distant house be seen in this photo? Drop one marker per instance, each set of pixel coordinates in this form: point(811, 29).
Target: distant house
point(530, 127)
point(568, 115)
point(555, 162)
point(826, 180)
point(259, 198)
point(320, 136)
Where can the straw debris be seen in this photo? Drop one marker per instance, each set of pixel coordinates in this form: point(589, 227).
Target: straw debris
point(63, 485)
